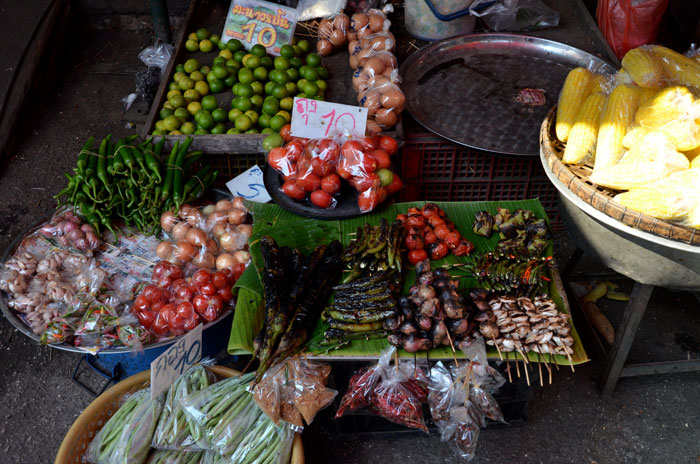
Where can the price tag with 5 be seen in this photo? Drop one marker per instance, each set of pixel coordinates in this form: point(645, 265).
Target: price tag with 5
point(315, 119)
point(175, 360)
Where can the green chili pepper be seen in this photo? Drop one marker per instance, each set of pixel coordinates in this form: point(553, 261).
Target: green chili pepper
point(84, 155)
point(190, 160)
point(196, 179)
point(102, 163)
point(178, 187)
point(169, 170)
point(153, 164)
point(159, 147)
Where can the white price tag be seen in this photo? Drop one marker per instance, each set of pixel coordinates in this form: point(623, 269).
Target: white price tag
point(175, 360)
point(315, 119)
point(249, 185)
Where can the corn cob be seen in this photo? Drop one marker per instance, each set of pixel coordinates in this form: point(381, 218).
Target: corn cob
point(672, 111)
point(670, 198)
point(695, 163)
point(680, 69)
point(645, 69)
point(578, 85)
point(616, 119)
point(634, 137)
point(584, 133)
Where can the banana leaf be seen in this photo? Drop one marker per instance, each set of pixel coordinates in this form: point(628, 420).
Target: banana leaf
point(305, 234)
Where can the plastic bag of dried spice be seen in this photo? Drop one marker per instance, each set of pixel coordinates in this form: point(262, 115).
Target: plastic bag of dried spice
point(362, 385)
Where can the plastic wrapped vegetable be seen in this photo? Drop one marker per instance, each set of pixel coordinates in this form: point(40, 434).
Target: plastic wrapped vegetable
point(396, 398)
point(672, 111)
point(579, 84)
point(173, 431)
point(126, 437)
point(176, 457)
point(616, 120)
point(584, 132)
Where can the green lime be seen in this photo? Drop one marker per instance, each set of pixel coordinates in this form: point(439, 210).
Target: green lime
point(188, 128)
point(201, 131)
point(287, 51)
point(245, 76)
point(202, 34)
point(192, 36)
point(172, 122)
point(287, 103)
point(252, 130)
point(277, 122)
point(310, 74)
point(313, 59)
point(219, 60)
point(252, 62)
point(160, 125)
point(216, 85)
point(164, 113)
point(201, 87)
point(204, 119)
point(226, 54)
point(233, 130)
point(244, 104)
point(182, 113)
point(218, 129)
point(221, 45)
point(243, 123)
point(197, 76)
point(297, 50)
point(301, 83)
point(191, 95)
point(267, 62)
point(296, 63)
point(280, 92)
point(186, 83)
point(179, 75)
point(173, 86)
point(285, 114)
point(180, 68)
point(158, 132)
point(264, 120)
point(215, 38)
point(267, 130)
point(176, 101)
point(257, 87)
point(271, 106)
point(281, 63)
point(209, 102)
point(211, 77)
point(293, 74)
point(322, 72)
point(205, 69)
point(193, 107)
point(272, 141)
point(302, 70)
point(234, 45)
point(269, 85)
point(317, 97)
point(175, 132)
point(258, 50)
point(238, 56)
point(300, 95)
point(168, 106)
point(233, 64)
point(230, 80)
point(191, 65)
point(292, 88)
point(310, 89)
point(219, 115)
point(192, 45)
point(304, 45)
point(256, 100)
point(252, 115)
point(245, 90)
point(220, 71)
point(322, 85)
point(260, 73)
point(233, 114)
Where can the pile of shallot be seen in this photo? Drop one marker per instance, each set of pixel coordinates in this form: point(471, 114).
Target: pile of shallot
point(68, 230)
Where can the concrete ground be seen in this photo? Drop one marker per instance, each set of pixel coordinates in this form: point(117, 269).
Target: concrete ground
point(648, 420)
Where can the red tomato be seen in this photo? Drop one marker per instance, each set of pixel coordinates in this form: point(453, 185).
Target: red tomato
point(366, 182)
point(168, 312)
point(368, 200)
point(184, 311)
point(321, 199)
point(152, 293)
point(156, 307)
point(309, 182)
point(141, 304)
point(370, 143)
point(351, 149)
point(327, 150)
point(160, 326)
point(416, 256)
point(216, 303)
point(184, 293)
point(219, 279)
point(226, 294)
point(395, 185)
point(238, 269)
point(146, 318)
point(286, 133)
point(367, 164)
point(167, 270)
point(322, 168)
point(179, 283)
point(331, 184)
point(382, 158)
point(207, 289)
point(229, 273)
point(200, 303)
point(388, 144)
point(279, 161)
point(294, 149)
point(293, 190)
point(191, 323)
point(201, 277)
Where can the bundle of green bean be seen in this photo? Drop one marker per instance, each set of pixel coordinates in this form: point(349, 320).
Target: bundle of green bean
point(176, 457)
point(134, 183)
point(226, 417)
point(172, 431)
point(126, 437)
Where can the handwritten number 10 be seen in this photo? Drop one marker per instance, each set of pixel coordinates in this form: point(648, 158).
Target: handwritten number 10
point(250, 30)
point(332, 117)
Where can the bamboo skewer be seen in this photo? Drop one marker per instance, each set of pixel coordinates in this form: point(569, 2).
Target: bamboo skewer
point(454, 353)
point(510, 378)
point(539, 367)
point(527, 374)
point(500, 356)
point(517, 368)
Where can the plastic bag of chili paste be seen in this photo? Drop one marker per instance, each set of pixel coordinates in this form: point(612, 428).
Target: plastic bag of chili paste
point(362, 385)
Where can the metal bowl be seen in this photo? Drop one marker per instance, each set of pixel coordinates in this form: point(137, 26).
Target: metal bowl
point(641, 256)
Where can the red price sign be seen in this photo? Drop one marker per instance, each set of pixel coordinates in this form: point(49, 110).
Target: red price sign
point(318, 119)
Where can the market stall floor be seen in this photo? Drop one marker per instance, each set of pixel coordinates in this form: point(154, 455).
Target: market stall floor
point(651, 419)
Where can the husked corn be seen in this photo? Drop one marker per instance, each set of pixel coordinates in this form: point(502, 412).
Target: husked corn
point(584, 133)
point(680, 69)
point(672, 111)
point(578, 85)
point(634, 136)
point(645, 69)
point(616, 120)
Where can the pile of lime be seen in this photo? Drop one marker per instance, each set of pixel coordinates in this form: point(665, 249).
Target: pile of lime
point(263, 88)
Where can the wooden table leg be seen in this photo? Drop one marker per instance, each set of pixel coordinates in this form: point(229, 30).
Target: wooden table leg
point(617, 355)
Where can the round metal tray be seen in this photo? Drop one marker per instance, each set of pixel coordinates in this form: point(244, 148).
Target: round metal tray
point(464, 88)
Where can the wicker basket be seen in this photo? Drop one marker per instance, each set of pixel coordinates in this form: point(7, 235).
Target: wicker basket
point(99, 411)
point(575, 178)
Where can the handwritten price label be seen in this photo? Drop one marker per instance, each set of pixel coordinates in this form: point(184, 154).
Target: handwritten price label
point(175, 360)
point(315, 119)
point(249, 185)
point(260, 22)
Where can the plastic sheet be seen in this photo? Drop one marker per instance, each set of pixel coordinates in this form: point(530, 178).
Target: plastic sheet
point(515, 15)
point(157, 56)
point(176, 457)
